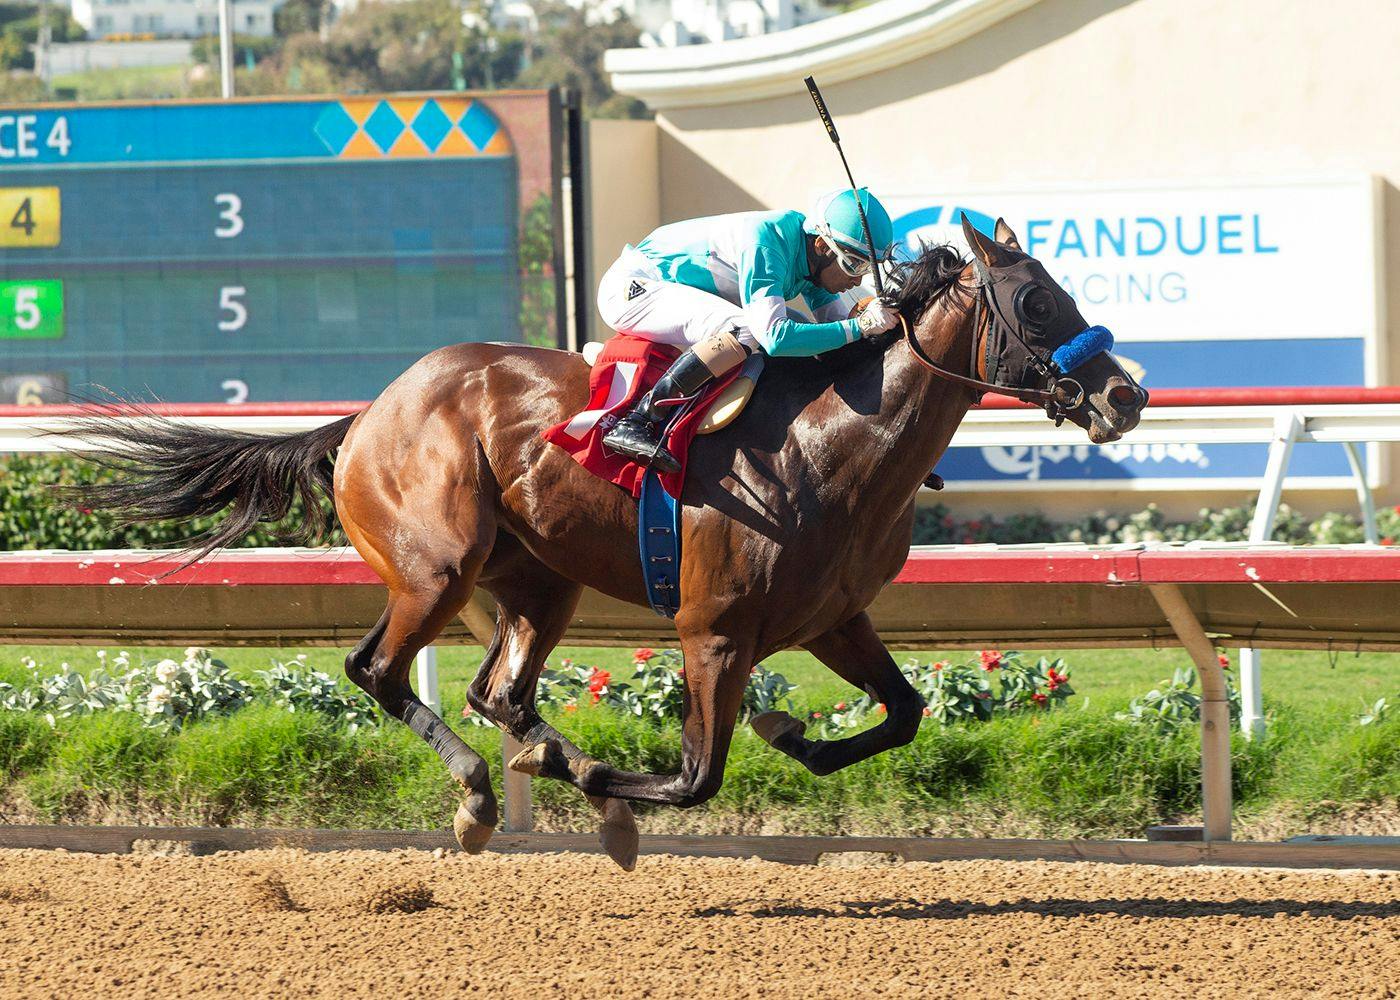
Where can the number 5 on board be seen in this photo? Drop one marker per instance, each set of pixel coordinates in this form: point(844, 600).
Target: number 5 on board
point(29, 217)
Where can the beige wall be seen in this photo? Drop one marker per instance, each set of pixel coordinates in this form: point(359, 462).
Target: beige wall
point(624, 197)
point(1074, 90)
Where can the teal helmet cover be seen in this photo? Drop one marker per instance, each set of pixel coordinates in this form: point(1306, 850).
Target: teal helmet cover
point(836, 217)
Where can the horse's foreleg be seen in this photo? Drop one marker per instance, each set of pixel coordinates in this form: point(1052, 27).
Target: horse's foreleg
point(855, 652)
point(716, 673)
point(380, 664)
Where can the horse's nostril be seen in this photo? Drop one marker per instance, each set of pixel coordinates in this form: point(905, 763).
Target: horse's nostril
point(1127, 397)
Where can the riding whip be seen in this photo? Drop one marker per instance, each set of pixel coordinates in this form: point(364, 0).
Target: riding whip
point(836, 141)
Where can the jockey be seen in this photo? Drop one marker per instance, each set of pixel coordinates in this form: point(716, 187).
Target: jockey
point(719, 286)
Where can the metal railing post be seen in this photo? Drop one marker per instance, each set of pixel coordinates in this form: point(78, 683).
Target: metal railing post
point(426, 662)
point(1363, 492)
point(1216, 802)
point(1288, 427)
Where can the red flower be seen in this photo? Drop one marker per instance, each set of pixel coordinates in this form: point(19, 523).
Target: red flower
point(927, 712)
point(642, 655)
point(816, 715)
point(1224, 662)
point(1387, 540)
point(840, 706)
point(880, 708)
point(598, 683)
point(1055, 677)
point(571, 707)
point(991, 659)
point(1039, 698)
point(940, 664)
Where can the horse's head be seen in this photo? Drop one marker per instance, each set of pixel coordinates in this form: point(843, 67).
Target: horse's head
point(1032, 339)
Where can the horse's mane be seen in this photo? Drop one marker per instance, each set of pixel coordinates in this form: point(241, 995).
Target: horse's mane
point(919, 281)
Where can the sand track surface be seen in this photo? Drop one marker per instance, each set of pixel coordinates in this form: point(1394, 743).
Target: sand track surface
point(358, 924)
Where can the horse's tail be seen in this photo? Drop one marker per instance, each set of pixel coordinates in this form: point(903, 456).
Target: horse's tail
point(173, 470)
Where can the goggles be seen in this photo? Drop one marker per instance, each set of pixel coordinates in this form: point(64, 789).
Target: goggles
point(852, 264)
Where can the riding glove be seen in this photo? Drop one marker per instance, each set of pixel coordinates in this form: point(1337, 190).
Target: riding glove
point(877, 317)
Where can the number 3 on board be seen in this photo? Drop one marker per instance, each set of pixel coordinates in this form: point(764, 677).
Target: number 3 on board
point(29, 217)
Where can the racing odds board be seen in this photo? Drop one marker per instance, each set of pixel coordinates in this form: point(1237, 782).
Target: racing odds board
point(270, 250)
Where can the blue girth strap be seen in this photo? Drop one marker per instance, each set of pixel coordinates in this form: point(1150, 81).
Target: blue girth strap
point(659, 539)
point(1081, 347)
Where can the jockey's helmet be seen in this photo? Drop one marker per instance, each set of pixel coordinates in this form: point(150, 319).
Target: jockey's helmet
point(836, 218)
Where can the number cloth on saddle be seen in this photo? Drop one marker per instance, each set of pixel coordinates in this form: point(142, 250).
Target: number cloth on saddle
point(626, 369)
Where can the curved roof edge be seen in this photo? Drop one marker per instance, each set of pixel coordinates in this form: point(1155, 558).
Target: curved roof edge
point(837, 48)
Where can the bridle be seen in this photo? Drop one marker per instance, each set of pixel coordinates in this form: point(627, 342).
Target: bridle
point(1057, 393)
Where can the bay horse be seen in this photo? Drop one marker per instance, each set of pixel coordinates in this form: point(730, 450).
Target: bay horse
point(794, 517)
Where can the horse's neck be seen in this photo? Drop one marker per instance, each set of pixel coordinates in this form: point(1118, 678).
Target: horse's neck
point(918, 411)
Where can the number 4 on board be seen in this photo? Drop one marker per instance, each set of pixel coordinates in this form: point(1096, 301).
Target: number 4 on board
point(24, 217)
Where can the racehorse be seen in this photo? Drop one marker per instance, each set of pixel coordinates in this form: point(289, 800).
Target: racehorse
point(794, 517)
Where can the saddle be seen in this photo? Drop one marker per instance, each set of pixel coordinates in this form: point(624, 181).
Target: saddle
point(623, 369)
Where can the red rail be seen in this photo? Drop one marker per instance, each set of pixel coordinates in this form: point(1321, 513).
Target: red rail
point(952, 566)
point(1280, 396)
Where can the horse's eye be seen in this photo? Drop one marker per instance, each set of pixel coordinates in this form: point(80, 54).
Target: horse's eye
point(1036, 304)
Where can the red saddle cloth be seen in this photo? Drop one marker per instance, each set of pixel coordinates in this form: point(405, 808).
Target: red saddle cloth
point(626, 369)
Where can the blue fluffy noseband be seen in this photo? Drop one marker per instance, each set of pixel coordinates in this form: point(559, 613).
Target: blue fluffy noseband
point(1081, 347)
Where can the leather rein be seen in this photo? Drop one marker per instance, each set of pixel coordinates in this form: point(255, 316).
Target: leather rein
point(1060, 394)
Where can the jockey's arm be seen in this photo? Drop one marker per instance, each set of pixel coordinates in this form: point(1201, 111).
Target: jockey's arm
point(761, 280)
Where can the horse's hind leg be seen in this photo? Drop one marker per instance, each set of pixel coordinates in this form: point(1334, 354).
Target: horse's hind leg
point(854, 651)
point(534, 606)
point(380, 664)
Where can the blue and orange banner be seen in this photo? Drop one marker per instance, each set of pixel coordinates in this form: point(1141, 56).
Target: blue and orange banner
point(348, 128)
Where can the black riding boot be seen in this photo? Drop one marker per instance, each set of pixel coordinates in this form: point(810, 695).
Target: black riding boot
point(638, 434)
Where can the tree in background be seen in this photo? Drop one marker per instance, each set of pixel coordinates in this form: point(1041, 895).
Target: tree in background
point(19, 29)
point(569, 53)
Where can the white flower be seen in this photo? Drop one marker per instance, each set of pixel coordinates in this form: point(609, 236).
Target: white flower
point(28, 662)
point(301, 657)
point(166, 671)
point(158, 697)
point(194, 652)
point(102, 657)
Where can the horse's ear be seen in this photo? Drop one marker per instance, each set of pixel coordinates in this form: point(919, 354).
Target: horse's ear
point(1006, 237)
point(984, 249)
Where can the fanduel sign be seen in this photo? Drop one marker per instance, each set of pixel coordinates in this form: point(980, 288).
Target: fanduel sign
point(1206, 285)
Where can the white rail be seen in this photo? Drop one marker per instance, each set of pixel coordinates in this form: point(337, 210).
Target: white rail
point(1280, 426)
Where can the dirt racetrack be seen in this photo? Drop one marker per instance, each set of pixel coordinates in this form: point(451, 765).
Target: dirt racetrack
point(359, 924)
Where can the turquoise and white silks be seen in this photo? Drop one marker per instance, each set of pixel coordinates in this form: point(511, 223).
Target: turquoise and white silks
point(756, 261)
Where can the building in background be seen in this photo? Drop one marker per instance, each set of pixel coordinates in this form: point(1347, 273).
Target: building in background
point(170, 18)
point(671, 23)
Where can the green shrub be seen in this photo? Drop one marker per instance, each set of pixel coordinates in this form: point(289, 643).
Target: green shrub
point(1361, 764)
point(32, 517)
point(100, 760)
point(26, 743)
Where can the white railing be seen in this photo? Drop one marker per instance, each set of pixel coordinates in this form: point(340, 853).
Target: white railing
point(1279, 418)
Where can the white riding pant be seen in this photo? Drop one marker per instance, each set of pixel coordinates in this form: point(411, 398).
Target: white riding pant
point(633, 298)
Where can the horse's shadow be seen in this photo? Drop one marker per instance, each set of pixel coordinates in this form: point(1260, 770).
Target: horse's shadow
point(1159, 907)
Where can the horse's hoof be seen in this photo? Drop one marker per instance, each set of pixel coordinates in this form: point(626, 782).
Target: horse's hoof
point(618, 834)
point(774, 726)
point(471, 829)
point(530, 760)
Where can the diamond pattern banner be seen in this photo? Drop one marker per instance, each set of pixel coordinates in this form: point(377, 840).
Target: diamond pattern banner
point(411, 127)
